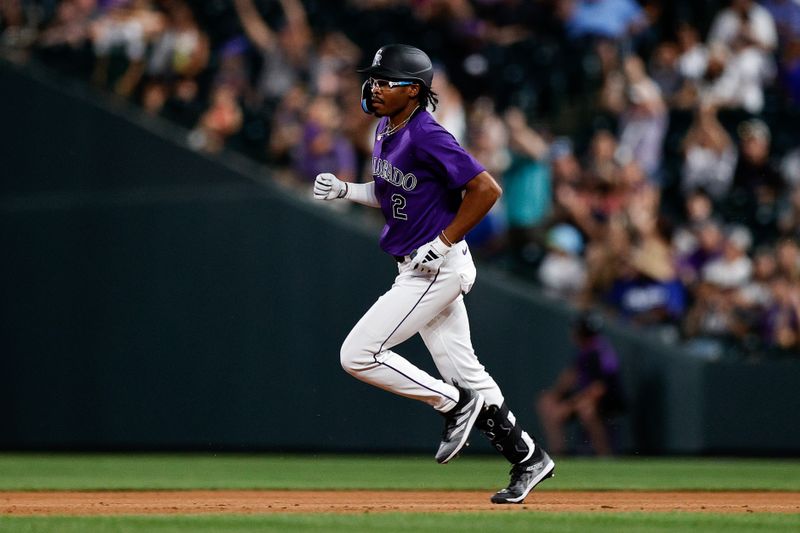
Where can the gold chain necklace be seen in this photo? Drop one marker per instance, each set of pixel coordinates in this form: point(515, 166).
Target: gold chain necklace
point(389, 129)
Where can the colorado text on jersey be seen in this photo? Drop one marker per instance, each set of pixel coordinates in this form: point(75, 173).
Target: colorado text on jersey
point(383, 169)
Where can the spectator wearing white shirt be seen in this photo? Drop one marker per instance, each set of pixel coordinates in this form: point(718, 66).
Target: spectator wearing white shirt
point(709, 156)
point(748, 32)
point(735, 80)
point(693, 53)
point(733, 269)
point(644, 121)
point(744, 24)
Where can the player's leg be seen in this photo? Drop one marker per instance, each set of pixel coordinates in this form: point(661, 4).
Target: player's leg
point(397, 315)
point(447, 337)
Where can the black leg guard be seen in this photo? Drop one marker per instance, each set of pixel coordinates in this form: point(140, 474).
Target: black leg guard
point(500, 427)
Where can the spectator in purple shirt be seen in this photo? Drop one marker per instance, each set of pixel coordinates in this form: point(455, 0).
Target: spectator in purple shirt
point(589, 390)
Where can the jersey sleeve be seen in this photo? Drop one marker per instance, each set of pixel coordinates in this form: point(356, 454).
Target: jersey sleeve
point(439, 149)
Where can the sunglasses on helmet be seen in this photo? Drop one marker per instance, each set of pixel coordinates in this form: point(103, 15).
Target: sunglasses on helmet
point(387, 84)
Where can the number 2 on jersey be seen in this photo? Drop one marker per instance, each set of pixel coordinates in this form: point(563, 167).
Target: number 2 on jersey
point(398, 204)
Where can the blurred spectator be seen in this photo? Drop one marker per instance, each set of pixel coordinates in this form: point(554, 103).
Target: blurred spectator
point(488, 137)
point(69, 27)
point(744, 24)
point(710, 242)
point(564, 166)
point(709, 156)
point(643, 122)
point(747, 34)
point(731, 270)
point(609, 19)
point(180, 53)
point(232, 69)
point(488, 142)
point(693, 53)
point(664, 68)
point(639, 200)
point(562, 273)
point(789, 216)
point(786, 15)
point(698, 209)
point(322, 146)
point(787, 256)
point(735, 80)
point(221, 120)
point(612, 91)
point(450, 112)
point(711, 323)
point(781, 324)
point(19, 24)
point(790, 167)
point(287, 125)
point(589, 390)
point(284, 54)
point(574, 203)
point(757, 185)
point(526, 182)
point(755, 297)
point(605, 257)
point(336, 57)
point(789, 70)
point(129, 27)
point(756, 292)
point(647, 291)
point(601, 161)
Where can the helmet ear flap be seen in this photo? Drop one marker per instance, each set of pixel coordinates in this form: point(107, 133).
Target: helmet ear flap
point(366, 98)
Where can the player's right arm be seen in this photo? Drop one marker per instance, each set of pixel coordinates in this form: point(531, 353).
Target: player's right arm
point(329, 187)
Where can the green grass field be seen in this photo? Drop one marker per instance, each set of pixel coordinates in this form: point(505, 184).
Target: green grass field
point(157, 472)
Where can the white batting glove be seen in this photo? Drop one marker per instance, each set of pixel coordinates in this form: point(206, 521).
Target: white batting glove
point(328, 187)
point(429, 257)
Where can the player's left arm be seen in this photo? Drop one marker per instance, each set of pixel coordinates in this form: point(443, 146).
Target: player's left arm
point(329, 187)
point(480, 194)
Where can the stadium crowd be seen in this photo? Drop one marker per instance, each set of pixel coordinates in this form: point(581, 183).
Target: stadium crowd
point(649, 150)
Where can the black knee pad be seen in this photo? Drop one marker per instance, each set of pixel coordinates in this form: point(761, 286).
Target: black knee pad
point(504, 434)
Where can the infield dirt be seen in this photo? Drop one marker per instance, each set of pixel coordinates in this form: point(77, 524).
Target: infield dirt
point(273, 501)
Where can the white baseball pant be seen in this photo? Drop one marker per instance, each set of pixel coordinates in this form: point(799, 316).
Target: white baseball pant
point(433, 306)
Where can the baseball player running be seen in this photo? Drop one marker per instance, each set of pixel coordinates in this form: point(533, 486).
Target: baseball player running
point(431, 192)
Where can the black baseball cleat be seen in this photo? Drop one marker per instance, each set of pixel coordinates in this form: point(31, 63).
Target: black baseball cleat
point(525, 476)
point(458, 423)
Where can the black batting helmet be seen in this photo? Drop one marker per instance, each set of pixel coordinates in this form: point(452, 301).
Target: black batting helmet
point(401, 62)
point(397, 62)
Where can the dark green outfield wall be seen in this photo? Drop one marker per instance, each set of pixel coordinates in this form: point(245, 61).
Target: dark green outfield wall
point(153, 298)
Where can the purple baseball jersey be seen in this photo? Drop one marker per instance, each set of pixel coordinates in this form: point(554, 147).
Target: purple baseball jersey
point(419, 174)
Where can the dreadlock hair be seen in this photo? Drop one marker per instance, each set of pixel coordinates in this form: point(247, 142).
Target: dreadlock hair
point(427, 97)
